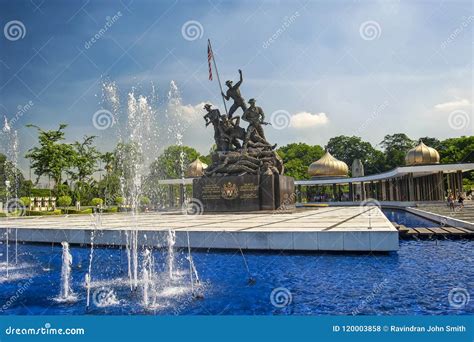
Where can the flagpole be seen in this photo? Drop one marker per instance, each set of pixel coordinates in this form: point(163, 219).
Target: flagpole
point(217, 74)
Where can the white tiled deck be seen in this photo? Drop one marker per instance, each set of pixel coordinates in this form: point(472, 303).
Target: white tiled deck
point(324, 229)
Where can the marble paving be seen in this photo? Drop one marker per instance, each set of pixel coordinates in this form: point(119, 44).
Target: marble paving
point(315, 229)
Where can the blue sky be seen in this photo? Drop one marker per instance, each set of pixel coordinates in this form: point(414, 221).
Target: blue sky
point(409, 71)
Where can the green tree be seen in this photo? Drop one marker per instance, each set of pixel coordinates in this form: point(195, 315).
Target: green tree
point(347, 149)
point(395, 148)
point(168, 164)
point(457, 150)
point(83, 165)
point(52, 158)
point(431, 142)
point(297, 157)
point(18, 185)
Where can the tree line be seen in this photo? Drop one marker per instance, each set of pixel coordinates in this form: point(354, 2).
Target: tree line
point(72, 168)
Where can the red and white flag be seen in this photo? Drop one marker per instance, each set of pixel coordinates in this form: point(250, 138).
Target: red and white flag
point(209, 57)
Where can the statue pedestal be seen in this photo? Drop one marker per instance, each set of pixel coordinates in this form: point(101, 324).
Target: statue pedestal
point(245, 193)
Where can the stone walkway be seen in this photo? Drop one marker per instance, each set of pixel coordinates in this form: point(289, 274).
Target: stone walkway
point(329, 228)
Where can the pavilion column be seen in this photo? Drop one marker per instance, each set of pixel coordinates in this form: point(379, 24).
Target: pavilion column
point(389, 189)
point(382, 190)
point(411, 187)
point(181, 194)
point(452, 186)
point(459, 177)
point(440, 186)
point(299, 194)
point(418, 189)
point(351, 193)
point(170, 196)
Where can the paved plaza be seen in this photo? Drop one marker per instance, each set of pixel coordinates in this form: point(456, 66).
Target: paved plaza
point(328, 228)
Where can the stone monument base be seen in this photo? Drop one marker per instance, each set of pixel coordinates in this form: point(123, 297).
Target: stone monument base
point(245, 193)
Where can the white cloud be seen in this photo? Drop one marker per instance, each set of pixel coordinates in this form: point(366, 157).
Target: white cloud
point(452, 105)
point(191, 113)
point(308, 120)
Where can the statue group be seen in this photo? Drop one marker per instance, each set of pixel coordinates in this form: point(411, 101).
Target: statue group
point(241, 151)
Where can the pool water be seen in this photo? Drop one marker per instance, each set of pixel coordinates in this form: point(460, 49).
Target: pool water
point(408, 219)
point(419, 279)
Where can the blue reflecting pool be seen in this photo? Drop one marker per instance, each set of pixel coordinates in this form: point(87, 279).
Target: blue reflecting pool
point(408, 219)
point(423, 277)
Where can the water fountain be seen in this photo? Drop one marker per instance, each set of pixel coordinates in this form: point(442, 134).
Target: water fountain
point(171, 257)
point(13, 204)
point(66, 293)
point(139, 140)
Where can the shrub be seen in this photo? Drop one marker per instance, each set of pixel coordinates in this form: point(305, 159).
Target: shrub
point(26, 201)
point(74, 211)
point(95, 202)
point(64, 201)
point(40, 192)
point(111, 210)
point(43, 213)
point(119, 200)
point(144, 200)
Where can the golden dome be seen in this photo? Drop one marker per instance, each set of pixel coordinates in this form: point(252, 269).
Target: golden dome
point(328, 166)
point(421, 155)
point(196, 169)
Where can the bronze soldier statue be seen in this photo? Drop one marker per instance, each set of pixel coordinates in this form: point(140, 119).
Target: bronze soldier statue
point(232, 131)
point(234, 93)
point(213, 116)
point(255, 116)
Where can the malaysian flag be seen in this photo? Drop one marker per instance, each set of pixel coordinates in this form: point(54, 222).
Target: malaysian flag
point(209, 57)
